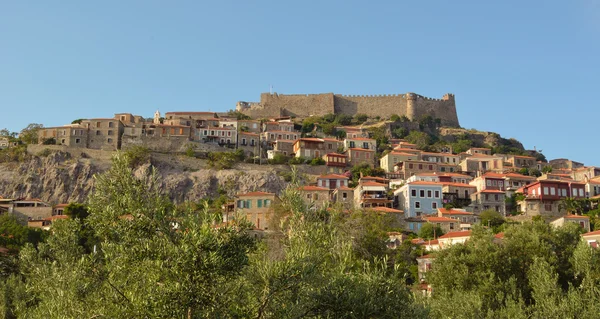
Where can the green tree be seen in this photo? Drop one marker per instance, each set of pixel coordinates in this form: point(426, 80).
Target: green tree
point(361, 118)
point(492, 219)
point(430, 231)
point(238, 115)
point(152, 260)
point(395, 118)
point(547, 169)
point(399, 132)
point(422, 139)
point(29, 135)
point(77, 121)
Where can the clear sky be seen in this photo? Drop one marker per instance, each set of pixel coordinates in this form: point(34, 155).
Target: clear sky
point(524, 69)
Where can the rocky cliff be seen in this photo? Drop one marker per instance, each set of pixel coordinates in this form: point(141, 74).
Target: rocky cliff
point(60, 177)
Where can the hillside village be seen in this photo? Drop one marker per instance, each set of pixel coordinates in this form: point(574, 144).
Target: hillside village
point(368, 164)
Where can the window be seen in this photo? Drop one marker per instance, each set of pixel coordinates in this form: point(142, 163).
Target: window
point(344, 195)
point(240, 204)
point(413, 193)
point(110, 132)
point(307, 196)
point(494, 183)
point(252, 142)
point(417, 204)
point(431, 167)
point(77, 141)
point(500, 183)
point(110, 140)
point(451, 226)
point(437, 194)
point(259, 203)
point(410, 166)
point(434, 205)
point(110, 124)
point(548, 207)
point(248, 203)
point(545, 190)
point(564, 192)
point(581, 192)
point(429, 192)
point(496, 197)
point(330, 146)
point(212, 132)
point(62, 141)
point(420, 166)
point(488, 182)
point(422, 193)
point(267, 203)
point(243, 141)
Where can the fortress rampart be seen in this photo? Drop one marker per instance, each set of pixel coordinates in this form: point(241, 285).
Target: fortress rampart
point(411, 105)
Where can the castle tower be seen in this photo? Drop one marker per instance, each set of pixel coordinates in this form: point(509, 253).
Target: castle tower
point(411, 107)
point(157, 117)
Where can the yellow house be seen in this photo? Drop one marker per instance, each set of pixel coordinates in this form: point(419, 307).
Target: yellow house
point(257, 207)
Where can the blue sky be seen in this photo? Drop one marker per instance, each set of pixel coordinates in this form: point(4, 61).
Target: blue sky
point(524, 69)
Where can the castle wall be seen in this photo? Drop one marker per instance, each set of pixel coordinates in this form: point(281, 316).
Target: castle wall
point(378, 105)
point(299, 104)
point(303, 105)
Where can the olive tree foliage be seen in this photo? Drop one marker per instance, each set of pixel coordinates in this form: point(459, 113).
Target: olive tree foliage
point(536, 271)
point(151, 260)
point(312, 270)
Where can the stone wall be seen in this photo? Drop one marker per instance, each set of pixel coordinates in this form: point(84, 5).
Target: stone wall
point(34, 149)
point(171, 144)
point(412, 105)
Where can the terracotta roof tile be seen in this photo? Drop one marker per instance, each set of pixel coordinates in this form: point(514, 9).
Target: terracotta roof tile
point(255, 194)
point(456, 234)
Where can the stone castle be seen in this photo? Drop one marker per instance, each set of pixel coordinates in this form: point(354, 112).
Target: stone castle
point(413, 106)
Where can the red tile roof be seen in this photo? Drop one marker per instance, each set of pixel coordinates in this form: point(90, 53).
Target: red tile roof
point(445, 211)
point(372, 184)
point(428, 256)
point(360, 149)
point(333, 176)
point(576, 217)
point(386, 210)
point(424, 183)
point(499, 235)
point(459, 185)
point(313, 188)
point(434, 219)
point(490, 191)
point(255, 194)
point(592, 233)
point(457, 234)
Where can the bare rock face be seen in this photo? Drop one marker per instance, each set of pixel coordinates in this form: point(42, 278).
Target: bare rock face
point(61, 178)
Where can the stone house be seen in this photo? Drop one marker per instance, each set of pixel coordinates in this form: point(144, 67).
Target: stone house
point(344, 196)
point(461, 215)
point(352, 132)
point(582, 221)
point(360, 142)
point(445, 223)
point(369, 193)
point(564, 163)
point(479, 150)
point(335, 163)
point(480, 163)
point(389, 160)
point(192, 119)
point(514, 181)
point(424, 265)
point(249, 126)
point(404, 144)
point(419, 198)
point(73, 135)
point(410, 167)
point(357, 156)
point(332, 181)
point(104, 133)
point(592, 188)
point(249, 143)
point(284, 147)
point(586, 173)
point(278, 126)
point(314, 147)
point(256, 207)
point(315, 197)
point(518, 161)
point(487, 199)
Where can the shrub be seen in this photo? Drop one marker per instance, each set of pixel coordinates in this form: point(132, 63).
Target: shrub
point(279, 159)
point(361, 118)
point(297, 160)
point(45, 152)
point(395, 118)
point(190, 151)
point(49, 141)
point(317, 161)
point(225, 160)
point(137, 155)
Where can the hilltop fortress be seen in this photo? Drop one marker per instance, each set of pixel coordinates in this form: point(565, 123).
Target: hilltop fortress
point(413, 106)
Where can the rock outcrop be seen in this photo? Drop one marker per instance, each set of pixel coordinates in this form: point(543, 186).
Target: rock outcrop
point(60, 177)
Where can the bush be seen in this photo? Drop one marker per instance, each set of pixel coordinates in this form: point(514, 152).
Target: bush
point(361, 118)
point(137, 155)
point(395, 118)
point(297, 160)
point(279, 159)
point(225, 160)
point(49, 141)
point(317, 161)
point(14, 154)
point(190, 151)
point(43, 153)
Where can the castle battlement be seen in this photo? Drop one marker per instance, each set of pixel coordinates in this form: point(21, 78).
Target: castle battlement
point(411, 105)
